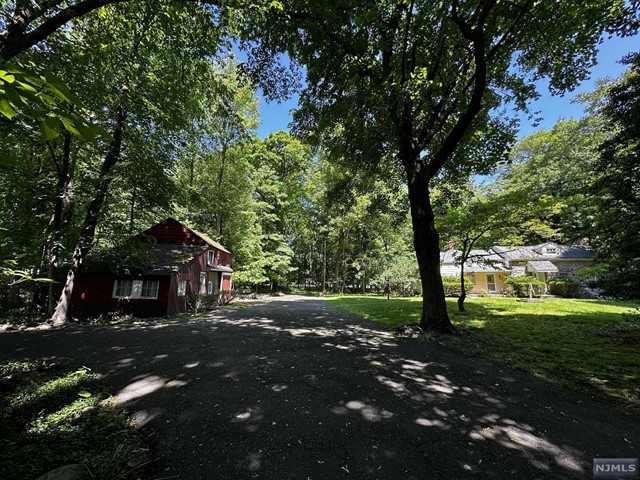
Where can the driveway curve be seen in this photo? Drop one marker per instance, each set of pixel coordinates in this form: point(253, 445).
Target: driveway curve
point(292, 388)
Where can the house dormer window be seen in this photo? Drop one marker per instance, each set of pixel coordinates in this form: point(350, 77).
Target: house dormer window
point(551, 250)
point(210, 257)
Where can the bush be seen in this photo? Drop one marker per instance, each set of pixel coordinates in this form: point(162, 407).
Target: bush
point(521, 286)
point(51, 415)
point(632, 316)
point(565, 287)
point(452, 288)
point(208, 301)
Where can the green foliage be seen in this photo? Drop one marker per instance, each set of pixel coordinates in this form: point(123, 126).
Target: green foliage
point(564, 287)
point(525, 286)
point(402, 276)
point(618, 219)
point(558, 164)
point(126, 257)
point(52, 416)
point(44, 99)
point(453, 287)
point(9, 275)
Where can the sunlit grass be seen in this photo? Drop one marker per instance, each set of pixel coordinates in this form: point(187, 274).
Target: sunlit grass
point(563, 340)
point(51, 416)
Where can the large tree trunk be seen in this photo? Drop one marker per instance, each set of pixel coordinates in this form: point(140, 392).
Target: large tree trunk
point(463, 293)
point(223, 160)
point(62, 213)
point(61, 313)
point(426, 242)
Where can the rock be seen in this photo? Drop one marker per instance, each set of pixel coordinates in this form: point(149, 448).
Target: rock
point(68, 472)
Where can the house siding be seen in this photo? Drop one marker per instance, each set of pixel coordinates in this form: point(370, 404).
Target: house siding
point(570, 266)
point(172, 232)
point(93, 296)
point(449, 270)
point(480, 281)
point(93, 293)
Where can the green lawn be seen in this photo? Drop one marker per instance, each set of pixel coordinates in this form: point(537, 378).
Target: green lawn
point(585, 344)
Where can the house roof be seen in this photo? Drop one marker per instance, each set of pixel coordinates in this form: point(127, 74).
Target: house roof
point(539, 252)
point(167, 259)
point(156, 260)
point(208, 239)
point(220, 268)
point(478, 261)
point(542, 266)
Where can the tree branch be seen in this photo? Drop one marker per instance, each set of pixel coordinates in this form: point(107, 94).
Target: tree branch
point(475, 102)
point(14, 40)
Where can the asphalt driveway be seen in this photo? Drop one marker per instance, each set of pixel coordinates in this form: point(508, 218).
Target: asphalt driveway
point(293, 388)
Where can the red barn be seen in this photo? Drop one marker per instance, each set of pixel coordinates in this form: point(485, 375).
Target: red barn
point(181, 262)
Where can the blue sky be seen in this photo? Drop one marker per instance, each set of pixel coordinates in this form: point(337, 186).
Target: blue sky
point(277, 117)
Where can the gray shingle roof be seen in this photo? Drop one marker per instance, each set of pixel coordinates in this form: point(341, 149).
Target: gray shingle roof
point(538, 252)
point(479, 261)
point(220, 268)
point(542, 266)
point(167, 259)
point(157, 260)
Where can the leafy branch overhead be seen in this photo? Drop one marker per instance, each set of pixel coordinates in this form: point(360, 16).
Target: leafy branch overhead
point(44, 100)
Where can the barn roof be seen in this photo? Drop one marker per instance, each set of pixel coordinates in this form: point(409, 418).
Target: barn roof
point(208, 239)
point(167, 259)
point(154, 260)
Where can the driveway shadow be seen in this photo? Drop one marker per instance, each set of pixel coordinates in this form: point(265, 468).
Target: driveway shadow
point(293, 388)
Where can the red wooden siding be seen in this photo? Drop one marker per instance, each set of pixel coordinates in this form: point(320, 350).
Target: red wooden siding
point(93, 296)
point(191, 273)
point(93, 293)
point(172, 232)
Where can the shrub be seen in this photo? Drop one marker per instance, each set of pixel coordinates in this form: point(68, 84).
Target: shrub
point(452, 288)
point(632, 316)
point(524, 285)
point(208, 301)
point(565, 287)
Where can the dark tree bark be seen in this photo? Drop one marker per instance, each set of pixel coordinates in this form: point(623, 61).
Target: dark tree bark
point(223, 161)
point(463, 292)
point(426, 242)
point(63, 211)
point(132, 209)
point(60, 315)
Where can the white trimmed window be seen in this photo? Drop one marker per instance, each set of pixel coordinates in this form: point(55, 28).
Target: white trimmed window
point(210, 257)
point(182, 288)
point(150, 289)
point(125, 288)
point(210, 287)
point(122, 288)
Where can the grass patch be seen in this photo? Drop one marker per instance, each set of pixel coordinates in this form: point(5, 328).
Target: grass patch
point(51, 416)
point(587, 344)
